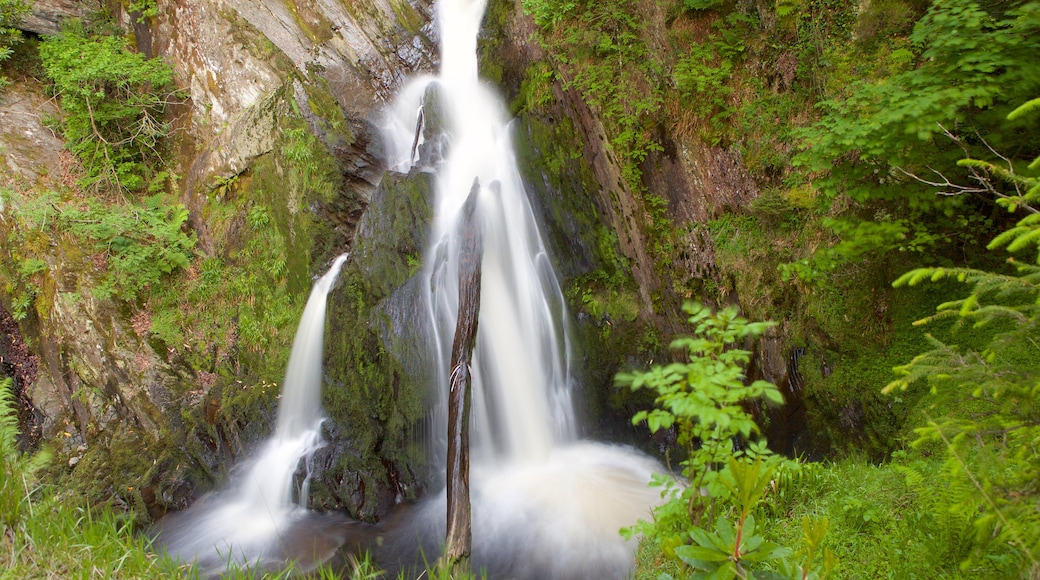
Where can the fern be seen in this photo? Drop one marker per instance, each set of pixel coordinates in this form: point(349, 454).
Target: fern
point(947, 509)
point(16, 468)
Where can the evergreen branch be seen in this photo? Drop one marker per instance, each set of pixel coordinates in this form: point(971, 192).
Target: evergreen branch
point(995, 509)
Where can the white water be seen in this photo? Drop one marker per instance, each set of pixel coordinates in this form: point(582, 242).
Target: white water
point(522, 376)
point(544, 504)
point(246, 523)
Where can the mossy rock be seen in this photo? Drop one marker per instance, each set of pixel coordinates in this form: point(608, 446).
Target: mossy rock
point(374, 389)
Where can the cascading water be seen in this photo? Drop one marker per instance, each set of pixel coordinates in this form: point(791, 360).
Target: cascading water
point(248, 523)
point(544, 505)
point(522, 391)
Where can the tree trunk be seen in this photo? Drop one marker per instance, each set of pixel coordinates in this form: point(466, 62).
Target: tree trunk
point(459, 535)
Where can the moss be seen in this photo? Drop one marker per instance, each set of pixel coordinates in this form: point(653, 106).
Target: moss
point(373, 401)
point(407, 17)
point(257, 43)
point(335, 125)
point(493, 39)
point(113, 467)
point(854, 328)
point(239, 307)
point(311, 20)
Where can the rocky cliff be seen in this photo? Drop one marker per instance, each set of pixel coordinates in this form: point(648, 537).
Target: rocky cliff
point(279, 116)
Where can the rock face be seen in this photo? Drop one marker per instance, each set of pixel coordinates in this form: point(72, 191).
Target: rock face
point(32, 154)
point(277, 91)
point(47, 15)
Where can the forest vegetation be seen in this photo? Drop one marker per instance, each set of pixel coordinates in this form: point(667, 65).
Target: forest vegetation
point(895, 238)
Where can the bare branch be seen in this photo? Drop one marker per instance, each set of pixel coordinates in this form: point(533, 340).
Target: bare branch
point(985, 188)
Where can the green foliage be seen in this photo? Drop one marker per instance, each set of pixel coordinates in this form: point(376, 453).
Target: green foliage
point(859, 240)
point(17, 469)
point(114, 101)
point(703, 75)
point(307, 175)
point(229, 306)
point(884, 520)
point(734, 550)
point(11, 12)
point(144, 9)
point(701, 79)
point(136, 244)
point(549, 13)
point(702, 4)
point(884, 145)
point(703, 399)
point(598, 46)
point(997, 450)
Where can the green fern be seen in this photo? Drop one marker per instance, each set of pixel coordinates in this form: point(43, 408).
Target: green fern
point(16, 468)
point(947, 508)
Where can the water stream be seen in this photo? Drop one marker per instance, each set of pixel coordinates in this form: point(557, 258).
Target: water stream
point(251, 523)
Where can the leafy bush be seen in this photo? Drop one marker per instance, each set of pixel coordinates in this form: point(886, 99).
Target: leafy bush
point(135, 244)
point(704, 400)
point(701, 79)
point(113, 101)
point(884, 146)
point(11, 12)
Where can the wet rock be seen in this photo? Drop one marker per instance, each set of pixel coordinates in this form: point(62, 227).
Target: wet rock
point(30, 152)
point(47, 15)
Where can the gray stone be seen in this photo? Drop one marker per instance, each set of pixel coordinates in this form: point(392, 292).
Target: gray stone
point(47, 15)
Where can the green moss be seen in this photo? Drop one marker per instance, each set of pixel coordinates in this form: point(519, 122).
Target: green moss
point(854, 329)
point(238, 308)
point(492, 40)
point(325, 106)
point(257, 43)
point(407, 17)
point(311, 20)
point(374, 402)
point(112, 467)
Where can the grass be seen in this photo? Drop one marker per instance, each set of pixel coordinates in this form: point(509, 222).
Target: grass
point(885, 521)
point(61, 540)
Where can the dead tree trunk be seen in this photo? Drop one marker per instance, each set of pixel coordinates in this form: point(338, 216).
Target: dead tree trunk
point(459, 535)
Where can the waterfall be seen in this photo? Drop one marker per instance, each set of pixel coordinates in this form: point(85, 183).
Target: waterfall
point(544, 505)
point(522, 402)
point(246, 523)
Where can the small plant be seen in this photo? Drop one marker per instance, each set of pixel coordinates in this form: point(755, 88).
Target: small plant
point(11, 13)
point(703, 399)
point(733, 550)
point(16, 468)
point(144, 9)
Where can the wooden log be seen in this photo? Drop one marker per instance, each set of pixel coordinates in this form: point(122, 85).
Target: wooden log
point(459, 536)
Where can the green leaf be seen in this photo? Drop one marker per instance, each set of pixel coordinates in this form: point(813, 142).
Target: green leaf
point(696, 556)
